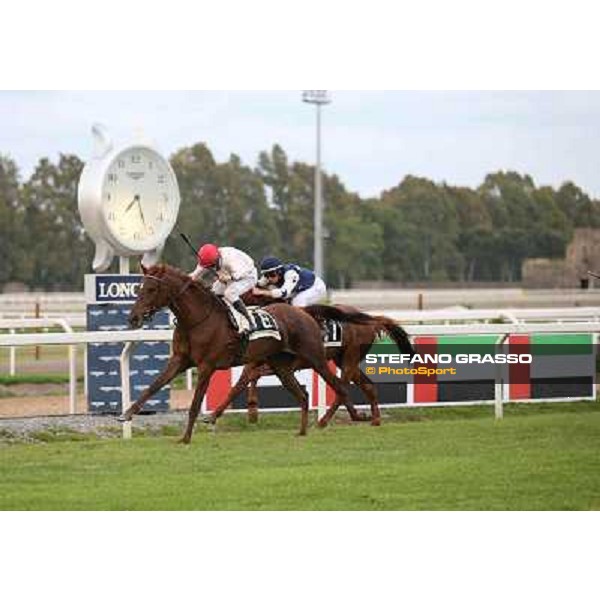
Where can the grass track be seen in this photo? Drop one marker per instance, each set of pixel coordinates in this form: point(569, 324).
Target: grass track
point(539, 457)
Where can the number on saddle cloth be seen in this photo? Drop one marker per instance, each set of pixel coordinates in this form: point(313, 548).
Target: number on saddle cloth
point(266, 326)
point(332, 333)
point(265, 323)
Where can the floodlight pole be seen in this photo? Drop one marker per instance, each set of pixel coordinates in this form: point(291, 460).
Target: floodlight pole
point(318, 98)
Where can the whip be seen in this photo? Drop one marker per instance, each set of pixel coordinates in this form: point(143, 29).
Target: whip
point(186, 239)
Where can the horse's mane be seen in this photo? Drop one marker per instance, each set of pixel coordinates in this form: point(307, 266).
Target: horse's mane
point(163, 269)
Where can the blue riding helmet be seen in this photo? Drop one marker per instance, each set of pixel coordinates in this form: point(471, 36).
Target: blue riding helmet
point(270, 264)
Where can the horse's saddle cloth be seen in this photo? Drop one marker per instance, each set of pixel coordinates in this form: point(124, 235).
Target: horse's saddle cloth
point(332, 333)
point(265, 323)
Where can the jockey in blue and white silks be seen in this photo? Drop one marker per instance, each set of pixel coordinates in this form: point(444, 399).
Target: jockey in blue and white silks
point(290, 282)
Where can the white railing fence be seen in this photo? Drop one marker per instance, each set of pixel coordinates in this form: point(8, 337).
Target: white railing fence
point(502, 330)
point(508, 315)
point(447, 315)
point(14, 324)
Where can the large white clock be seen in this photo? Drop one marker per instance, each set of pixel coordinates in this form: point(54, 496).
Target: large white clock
point(128, 200)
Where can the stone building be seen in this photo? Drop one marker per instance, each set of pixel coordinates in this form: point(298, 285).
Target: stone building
point(583, 255)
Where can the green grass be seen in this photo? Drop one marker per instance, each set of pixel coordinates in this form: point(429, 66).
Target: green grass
point(539, 457)
point(35, 378)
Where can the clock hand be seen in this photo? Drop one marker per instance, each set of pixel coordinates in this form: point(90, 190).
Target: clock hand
point(141, 213)
point(135, 199)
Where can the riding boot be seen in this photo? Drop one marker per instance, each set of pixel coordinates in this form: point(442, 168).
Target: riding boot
point(241, 308)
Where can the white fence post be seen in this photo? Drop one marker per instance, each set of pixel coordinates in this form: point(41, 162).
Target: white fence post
point(126, 387)
point(85, 372)
point(499, 386)
point(499, 394)
point(499, 404)
point(13, 359)
point(73, 379)
point(72, 368)
point(322, 390)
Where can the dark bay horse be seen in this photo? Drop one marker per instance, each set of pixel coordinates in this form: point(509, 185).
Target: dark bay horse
point(360, 331)
point(205, 338)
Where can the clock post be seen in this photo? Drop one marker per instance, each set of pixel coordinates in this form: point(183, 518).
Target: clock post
point(128, 200)
point(124, 265)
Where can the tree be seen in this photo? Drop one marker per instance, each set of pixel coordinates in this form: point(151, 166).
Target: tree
point(12, 232)
point(421, 228)
point(475, 238)
point(196, 172)
point(245, 217)
point(290, 190)
point(577, 206)
point(416, 231)
point(58, 251)
point(355, 241)
point(221, 203)
point(527, 221)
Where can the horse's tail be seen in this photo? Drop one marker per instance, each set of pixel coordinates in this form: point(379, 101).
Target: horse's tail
point(322, 312)
point(398, 335)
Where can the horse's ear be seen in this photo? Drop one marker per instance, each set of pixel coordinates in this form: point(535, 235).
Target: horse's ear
point(143, 268)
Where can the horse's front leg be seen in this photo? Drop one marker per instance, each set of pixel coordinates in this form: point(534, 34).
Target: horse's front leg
point(177, 364)
point(204, 374)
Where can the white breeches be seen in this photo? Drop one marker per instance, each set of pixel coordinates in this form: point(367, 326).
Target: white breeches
point(234, 289)
point(313, 295)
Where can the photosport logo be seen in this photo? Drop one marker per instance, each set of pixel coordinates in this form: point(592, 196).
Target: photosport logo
point(473, 368)
point(383, 363)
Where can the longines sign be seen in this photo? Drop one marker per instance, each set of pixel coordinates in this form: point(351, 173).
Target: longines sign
point(111, 288)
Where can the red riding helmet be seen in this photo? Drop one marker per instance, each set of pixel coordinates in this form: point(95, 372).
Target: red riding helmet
point(208, 255)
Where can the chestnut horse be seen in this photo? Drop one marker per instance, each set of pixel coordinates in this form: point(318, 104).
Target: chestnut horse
point(204, 337)
point(358, 336)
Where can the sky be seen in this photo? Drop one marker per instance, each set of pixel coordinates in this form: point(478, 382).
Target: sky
point(370, 139)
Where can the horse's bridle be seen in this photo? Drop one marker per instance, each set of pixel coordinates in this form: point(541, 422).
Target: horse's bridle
point(172, 298)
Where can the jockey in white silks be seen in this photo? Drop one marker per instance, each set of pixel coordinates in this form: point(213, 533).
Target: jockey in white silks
point(301, 287)
point(236, 275)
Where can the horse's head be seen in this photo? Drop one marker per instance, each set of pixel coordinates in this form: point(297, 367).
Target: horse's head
point(155, 293)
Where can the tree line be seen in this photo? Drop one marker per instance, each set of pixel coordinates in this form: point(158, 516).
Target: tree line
point(417, 231)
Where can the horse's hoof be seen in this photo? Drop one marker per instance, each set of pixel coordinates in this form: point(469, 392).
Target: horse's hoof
point(209, 419)
point(321, 424)
point(301, 434)
point(185, 441)
point(376, 423)
point(123, 418)
point(362, 417)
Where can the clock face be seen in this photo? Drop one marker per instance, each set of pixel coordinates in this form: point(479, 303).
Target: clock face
point(140, 199)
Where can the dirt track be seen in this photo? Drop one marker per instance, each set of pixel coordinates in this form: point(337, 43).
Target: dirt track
point(29, 406)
